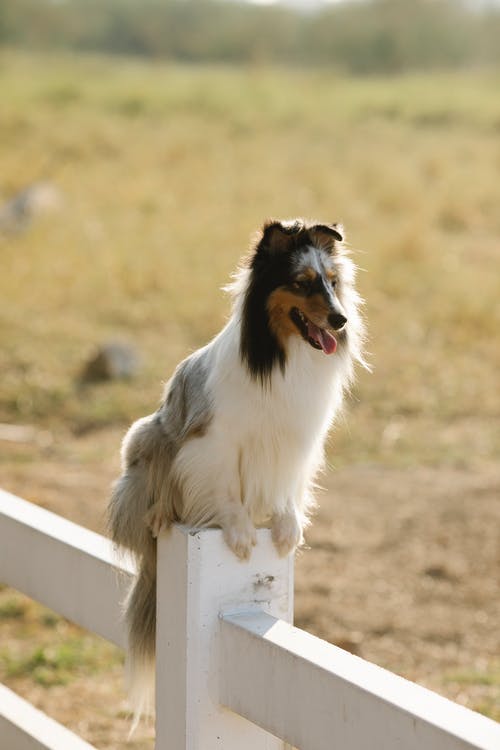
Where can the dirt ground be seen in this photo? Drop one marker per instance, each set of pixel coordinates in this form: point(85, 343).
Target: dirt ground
point(401, 568)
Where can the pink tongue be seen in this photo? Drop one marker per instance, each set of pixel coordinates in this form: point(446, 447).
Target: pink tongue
point(325, 339)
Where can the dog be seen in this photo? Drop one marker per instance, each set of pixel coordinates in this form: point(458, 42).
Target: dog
point(238, 438)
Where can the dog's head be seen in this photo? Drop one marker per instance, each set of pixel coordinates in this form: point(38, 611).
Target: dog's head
point(295, 265)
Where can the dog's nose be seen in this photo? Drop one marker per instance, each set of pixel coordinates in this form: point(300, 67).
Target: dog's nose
point(337, 320)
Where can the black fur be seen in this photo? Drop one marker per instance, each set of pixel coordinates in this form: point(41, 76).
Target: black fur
point(271, 267)
point(259, 347)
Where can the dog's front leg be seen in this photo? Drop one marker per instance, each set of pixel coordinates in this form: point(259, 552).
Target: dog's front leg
point(286, 531)
point(238, 529)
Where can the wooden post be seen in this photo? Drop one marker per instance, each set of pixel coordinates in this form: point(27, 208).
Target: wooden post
point(199, 579)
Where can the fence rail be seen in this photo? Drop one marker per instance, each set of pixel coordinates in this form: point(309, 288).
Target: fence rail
point(231, 670)
point(66, 567)
point(317, 696)
point(23, 727)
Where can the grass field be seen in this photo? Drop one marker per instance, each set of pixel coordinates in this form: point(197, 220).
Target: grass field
point(165, 172)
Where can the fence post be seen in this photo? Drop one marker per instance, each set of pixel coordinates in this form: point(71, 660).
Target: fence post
point(198, 579)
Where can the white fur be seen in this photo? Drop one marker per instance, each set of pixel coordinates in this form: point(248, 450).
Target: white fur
point(230, 449)
point(256, 463)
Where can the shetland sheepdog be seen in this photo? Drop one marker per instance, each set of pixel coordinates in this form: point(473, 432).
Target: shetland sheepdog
point(238, 438)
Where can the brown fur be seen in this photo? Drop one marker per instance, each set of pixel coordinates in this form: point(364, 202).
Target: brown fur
point(330, 274)
point(281, 301)
point(308, 274)
point(279, 305)
point(316, 309)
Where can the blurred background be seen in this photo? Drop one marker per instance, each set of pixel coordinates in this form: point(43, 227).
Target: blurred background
point(142, 143)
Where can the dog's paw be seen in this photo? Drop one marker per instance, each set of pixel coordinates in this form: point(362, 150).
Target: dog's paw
point(286, 533)
point(240, 537)
point(156, 519)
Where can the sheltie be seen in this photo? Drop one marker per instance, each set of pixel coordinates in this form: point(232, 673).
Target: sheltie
point(238, 438)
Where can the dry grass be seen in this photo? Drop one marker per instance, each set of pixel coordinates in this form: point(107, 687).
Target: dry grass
point(165, 173)
point(162, 196)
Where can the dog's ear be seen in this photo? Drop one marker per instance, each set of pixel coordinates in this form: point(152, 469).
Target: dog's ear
point(280, 236)
point(326, 236)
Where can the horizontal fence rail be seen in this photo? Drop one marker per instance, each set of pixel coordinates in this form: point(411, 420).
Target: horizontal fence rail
point(68, 568)
point(23, 727)
point(319, 697)
point(231, 671)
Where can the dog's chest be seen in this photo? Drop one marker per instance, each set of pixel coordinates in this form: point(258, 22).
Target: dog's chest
point(294, 408)
point(264, 441)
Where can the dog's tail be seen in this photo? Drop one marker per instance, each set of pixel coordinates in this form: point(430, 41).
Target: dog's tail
point(128, 530)
point(131, 499)
point(140, 618)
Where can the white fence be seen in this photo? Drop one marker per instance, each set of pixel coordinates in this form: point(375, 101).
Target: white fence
point(232, 672)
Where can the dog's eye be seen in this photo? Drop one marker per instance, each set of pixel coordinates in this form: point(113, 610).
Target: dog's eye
point(301, 284)
point(333, 282)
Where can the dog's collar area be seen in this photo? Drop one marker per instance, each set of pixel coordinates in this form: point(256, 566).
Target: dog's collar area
point(318, 338)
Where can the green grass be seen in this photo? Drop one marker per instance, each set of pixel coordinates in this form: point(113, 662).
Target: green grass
point(167, 170)
point(39, 645)
point(486, 680)
point(486, 677)
point(57, 664)
point(12, 609)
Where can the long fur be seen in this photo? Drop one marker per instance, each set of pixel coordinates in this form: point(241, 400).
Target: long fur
point(238, 438)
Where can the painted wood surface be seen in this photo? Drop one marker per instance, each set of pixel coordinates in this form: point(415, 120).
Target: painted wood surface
point(66, 567)
point(226, 650)
point(23, 727)
point(198, 577)
point(319, 697)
